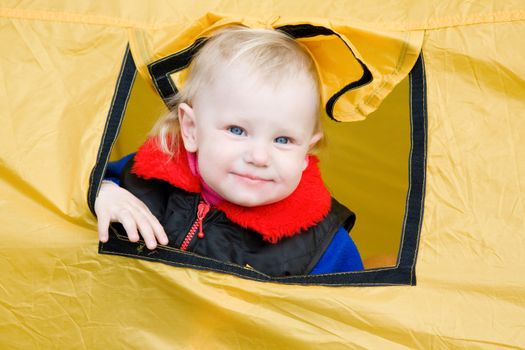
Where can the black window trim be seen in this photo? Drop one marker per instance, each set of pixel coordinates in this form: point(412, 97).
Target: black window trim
point(162, 69)
point(401, 274)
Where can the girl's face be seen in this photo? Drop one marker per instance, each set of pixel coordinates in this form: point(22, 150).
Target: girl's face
point(251, 138)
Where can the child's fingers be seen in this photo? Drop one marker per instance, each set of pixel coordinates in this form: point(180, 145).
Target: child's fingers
point(158, 230)
point(146, 230)
point(103, 226)
point(117, 204)
point(160, 233)
point(128, 221)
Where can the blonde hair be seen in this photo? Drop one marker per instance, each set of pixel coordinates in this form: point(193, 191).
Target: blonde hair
point(271, 54)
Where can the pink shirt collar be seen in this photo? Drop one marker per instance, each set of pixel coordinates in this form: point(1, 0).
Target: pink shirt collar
point(208, 194)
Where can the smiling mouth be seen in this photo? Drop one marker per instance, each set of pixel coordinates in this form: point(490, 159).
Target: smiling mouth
point(252, 178)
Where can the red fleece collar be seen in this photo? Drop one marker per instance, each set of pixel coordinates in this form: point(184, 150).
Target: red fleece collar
point(305, 207)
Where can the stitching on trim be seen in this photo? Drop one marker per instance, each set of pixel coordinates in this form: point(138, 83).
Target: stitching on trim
point(271, 280)
point(92, 192)
point(423, 189)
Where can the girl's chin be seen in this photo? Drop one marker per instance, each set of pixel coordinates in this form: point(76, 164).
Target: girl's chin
point(251, 202)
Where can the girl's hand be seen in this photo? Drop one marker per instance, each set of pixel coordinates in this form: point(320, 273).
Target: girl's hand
point(116, 204)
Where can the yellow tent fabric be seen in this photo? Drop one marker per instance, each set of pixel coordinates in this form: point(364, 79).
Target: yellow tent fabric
point(60, 66)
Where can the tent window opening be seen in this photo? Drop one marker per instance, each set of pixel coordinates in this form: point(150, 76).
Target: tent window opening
point(375, 167)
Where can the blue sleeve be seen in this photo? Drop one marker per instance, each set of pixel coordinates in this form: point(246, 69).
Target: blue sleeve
point(340, 256)
point(115, 168)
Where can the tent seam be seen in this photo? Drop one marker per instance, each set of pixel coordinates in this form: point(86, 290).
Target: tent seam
point(113, 21)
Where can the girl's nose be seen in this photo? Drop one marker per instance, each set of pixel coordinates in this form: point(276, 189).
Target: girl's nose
point(257, 155)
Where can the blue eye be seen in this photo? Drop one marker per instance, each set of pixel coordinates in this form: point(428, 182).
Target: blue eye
point(236, 130)
point(283, 140)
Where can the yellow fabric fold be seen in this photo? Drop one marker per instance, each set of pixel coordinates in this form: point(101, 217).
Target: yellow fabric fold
point(389, 56)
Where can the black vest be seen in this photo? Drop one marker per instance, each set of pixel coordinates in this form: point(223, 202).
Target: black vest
point(226, 241)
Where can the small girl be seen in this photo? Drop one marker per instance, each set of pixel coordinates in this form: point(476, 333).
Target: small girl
point(228, 173)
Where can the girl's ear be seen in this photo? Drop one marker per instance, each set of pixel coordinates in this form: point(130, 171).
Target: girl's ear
point(188, 128)
point(315, 138)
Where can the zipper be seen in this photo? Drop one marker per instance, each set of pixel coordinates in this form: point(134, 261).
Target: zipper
point(202, 209)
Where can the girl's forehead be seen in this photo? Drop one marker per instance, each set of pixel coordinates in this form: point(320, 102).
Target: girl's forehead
point(290, 96)
point(238, 92)
point(244, 75)
point(288, 107)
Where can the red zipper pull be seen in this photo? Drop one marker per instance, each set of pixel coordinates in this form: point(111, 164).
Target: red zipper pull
point(202, 210)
